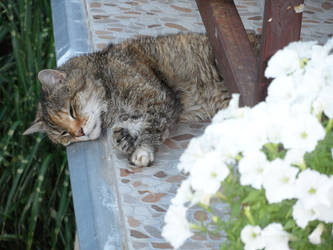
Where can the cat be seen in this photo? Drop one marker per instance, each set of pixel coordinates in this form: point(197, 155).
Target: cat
point(139, 88)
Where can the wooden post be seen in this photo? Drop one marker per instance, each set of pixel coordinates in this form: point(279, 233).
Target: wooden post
point(281, 25)
point(234, 56)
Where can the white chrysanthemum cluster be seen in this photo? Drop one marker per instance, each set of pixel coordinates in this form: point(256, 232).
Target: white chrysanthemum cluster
point(302, 89)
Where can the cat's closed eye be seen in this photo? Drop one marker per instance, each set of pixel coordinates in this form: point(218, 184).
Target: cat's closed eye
point(71, 111)
point(63, 133)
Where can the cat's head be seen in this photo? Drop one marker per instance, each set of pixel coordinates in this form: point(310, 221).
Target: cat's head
point(70, 107)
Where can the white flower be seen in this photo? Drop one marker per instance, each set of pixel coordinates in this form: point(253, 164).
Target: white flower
point(251, 237)
point(315, 236)
point(184, 193)
point(302, 49)
point(295, 156)
point(303, 215)
point(313, 188)
point(279, 181)
point(275, 237)
point(319, 54)
point(177, 228)
point(232, 111)
point(207, 173)
point(281, 89)
point(284, 62)
point(278, 115)
point(251, 167)
point(324, 212)
point(325, 208)
point(329, 45)
point(255, 126)
point(195, 150)
point(304, 131)
point(324, 102)
point(306, 89)
point(227, 137)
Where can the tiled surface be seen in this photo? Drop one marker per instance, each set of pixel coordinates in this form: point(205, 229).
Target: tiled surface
point(115, 21)
point(144, 193)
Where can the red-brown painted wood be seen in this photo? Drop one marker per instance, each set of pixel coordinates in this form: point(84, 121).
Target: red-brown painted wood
point(235, 57)
point(281, 25)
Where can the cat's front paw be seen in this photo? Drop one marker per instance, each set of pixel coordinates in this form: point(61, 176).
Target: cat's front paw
point(143, 156)
point(123, 140)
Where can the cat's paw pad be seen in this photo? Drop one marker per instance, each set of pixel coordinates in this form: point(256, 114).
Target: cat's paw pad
point(142, 157)
point(123, 140)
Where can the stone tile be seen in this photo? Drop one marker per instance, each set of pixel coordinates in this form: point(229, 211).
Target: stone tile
point(153, 231)
point(102, 32)
point(116, 29)
point(199, 236)
point(139, 245)
point(182, 137)
point(95, 5)
point(138, 234)
point(137, 183)
point(160, 174)
point(200, 216)
point(157, 245)
point(181, 9)
point(158, 209)
point(170, 144)
point(133, 222)
point(175, 179)
point(327, 5)
point(100, 16)
point(216, 236)
point(130, 199)
point(153, 197)
point(125, 172)
point(176, 26)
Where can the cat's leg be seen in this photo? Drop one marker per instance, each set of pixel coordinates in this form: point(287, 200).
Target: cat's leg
point(142, 156)
point(158, 108)
point(139, 136)
point(123, 140)
point(154, 131)
point(126, 131)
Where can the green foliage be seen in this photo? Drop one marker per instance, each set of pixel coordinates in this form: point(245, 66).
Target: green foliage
point(321, 158)
point(249, 205)
point(36, 210)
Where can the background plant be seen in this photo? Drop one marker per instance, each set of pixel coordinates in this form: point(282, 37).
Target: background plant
point(36, 210)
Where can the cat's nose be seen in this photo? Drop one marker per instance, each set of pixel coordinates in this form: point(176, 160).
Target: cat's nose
point(80, 132)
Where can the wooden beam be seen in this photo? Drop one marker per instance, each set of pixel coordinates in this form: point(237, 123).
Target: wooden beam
point(281, 25)
point(235, 57)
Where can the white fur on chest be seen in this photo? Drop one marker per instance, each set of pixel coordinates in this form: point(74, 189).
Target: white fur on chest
point(134, 126)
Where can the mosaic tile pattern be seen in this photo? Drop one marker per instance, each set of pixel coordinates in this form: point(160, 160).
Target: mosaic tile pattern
point(115, 21)
point(145, 193)
point(118, 20)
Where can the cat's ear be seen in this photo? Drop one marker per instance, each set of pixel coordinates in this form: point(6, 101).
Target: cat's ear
point(51, 77)
point(37, 125)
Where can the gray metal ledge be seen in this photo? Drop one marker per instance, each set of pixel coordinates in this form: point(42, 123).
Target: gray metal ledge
point(96, 206)
point(70, 29)
point(97, 222)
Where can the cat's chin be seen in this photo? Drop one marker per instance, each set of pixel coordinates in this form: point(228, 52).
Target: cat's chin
point(92, 136)
point(93, 133)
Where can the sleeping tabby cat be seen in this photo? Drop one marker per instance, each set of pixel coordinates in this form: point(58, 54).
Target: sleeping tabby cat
point(138, 88)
